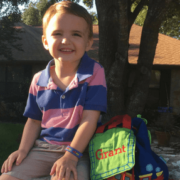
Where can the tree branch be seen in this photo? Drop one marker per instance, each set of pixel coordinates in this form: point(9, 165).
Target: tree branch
point(129, 9)
point(132, 16)
point(129, 6)
point(139, 7)
point(156, 12)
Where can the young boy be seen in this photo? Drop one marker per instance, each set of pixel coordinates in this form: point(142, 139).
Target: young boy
point(64, 102)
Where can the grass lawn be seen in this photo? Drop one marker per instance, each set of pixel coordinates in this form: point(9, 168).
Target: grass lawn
point(9, 134)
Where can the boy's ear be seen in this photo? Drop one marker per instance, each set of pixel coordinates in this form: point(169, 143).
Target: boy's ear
point(45, 43)
point(89, 44)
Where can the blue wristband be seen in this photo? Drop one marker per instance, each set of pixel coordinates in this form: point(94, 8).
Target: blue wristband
point(73, 151)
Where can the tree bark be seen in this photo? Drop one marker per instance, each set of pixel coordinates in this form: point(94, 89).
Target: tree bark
point(113, 51)
point(137, 99)
point(115, 22)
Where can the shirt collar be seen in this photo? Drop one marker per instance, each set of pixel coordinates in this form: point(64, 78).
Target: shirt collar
point(85, 70)
point(45, 75)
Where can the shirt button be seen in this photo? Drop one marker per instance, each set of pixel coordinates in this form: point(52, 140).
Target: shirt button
point(63, 96)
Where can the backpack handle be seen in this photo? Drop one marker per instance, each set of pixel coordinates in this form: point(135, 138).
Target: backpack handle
point(116, 120)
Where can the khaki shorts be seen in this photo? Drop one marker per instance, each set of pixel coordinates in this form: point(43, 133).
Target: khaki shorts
point(38, 163)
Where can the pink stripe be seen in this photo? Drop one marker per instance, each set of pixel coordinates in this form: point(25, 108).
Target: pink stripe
point(51, 85)
point(96, 67)
point(41, 88)
point(63, 118)
point(34, 88)
point(98, 77)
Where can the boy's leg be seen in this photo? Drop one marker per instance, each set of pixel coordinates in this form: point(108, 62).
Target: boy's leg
point(83, 168)
point(38, 162)
point(7, 177)
point(35, 165)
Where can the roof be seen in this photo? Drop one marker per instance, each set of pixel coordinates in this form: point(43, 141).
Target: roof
point(31, 44)
point(167, 51)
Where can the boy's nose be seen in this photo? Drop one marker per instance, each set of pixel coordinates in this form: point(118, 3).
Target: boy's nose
point(65, 40)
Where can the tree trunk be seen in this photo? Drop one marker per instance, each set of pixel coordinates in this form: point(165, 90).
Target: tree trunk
point(114, 28)
point(113, 51)
point(137, 99)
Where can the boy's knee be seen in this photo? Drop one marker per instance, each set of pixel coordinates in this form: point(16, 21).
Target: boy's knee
point(7, 177)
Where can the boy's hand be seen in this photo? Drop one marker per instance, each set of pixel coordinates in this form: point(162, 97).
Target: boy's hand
point(63, 167)
point(16, 156)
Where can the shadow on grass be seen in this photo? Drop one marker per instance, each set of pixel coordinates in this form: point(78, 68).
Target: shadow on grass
point(9, 139)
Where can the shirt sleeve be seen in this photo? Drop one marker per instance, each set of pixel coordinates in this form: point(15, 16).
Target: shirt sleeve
point(96, 97)
point(32, 109)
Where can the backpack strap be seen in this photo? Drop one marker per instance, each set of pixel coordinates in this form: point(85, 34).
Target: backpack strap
point(100, 129)
point(133, 174)
point(123, 176)
point(125, 120)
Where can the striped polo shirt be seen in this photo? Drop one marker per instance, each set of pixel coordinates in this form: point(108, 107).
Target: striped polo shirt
point(60, 112)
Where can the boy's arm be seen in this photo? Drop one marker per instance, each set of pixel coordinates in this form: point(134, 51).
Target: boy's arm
point(30, 134)
point(86, 129)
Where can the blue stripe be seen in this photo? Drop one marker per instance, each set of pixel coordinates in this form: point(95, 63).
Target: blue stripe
point(82, 95)
point(59, 134)
point(32, 110)
point(86, 68)
point(96, 95)
point(51, 99)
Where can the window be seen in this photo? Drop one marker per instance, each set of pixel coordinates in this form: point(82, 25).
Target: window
point(155, 79)
point(154, 82)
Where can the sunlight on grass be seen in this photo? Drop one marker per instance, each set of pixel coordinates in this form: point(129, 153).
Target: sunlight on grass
point(9, 134)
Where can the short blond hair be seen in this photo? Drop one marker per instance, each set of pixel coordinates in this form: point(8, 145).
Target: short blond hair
point(67, 7)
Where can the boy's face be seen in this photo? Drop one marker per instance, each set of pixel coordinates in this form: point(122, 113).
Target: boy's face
point(67, 37)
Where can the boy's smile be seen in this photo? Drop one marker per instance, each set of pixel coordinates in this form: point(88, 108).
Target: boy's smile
point(67, 37)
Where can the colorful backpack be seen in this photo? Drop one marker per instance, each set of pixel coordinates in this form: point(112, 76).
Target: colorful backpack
point(112, 149)
point(139, 162)
point(148, 165)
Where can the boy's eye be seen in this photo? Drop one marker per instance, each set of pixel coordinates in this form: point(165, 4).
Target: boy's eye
point(57, 34)
point(76, 34)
